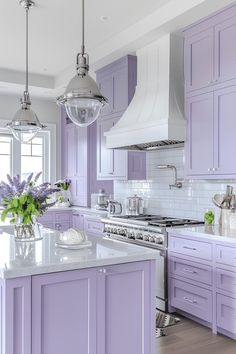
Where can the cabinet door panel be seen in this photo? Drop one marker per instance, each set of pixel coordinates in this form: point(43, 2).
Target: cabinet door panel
point(226, 313)
point(64, 313)
point(225, 50)
point(199, 62)
point(199, 144)
point(225, 128)
point(125, 289)
point(71, 142)
point(105, 157)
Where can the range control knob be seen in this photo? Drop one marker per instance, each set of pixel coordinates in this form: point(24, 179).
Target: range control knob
point(146, 237)
point(139, 236)
point(159, 241)
point(151, 239)
point(131, 235)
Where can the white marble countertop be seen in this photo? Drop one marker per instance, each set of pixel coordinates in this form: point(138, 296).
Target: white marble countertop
point(19, 259)
point(80, 209)
point(214, 233)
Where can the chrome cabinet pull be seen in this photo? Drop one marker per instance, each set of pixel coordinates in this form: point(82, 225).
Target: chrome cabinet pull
point(190, 248)
point(190, 300)
point(189, 271)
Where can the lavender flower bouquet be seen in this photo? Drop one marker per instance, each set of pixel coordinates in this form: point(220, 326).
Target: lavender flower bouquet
point(24, 200)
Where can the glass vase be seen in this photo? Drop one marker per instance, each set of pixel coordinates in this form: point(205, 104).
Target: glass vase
point(29, 232)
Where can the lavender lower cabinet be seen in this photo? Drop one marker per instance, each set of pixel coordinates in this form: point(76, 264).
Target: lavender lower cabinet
point(64, 313)
point(108, 310)
point(15, 316)
point(226, 314)
point(93, 226)
point(191, 299)
point(202, 281)
point(126, 310)
point(57, 220)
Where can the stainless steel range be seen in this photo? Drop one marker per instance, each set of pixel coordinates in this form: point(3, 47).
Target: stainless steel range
point(148, 231)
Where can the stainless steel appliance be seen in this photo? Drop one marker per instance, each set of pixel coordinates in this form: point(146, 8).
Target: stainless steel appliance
point(134, 205)
point(148, 231)
point(114, 208)
point(100, 200)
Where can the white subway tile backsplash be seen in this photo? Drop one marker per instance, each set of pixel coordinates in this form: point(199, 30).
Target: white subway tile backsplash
point(191, 201)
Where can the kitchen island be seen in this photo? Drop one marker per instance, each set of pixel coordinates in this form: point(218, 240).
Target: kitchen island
point(92, 301)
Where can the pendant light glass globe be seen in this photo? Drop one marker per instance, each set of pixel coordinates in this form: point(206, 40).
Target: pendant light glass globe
point(25, 124)
point(82, 98)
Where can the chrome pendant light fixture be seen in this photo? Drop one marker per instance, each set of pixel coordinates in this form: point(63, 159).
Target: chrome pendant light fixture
point(25, 124)
point(82, 99)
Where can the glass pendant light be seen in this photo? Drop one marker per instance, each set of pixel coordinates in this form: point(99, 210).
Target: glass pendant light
point(25, 123)
point(82, 99)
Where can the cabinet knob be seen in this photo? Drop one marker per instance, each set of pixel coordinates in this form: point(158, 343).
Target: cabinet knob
point(209, 169)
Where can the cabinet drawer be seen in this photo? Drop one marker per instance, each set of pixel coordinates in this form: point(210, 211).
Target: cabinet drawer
point(61, 217)
point(226, 280)
point(48, 225)
point(93, 226)
point(191, 270)
point(191, 299)
point(202, 250)
point(226, 313)
point(47, 217)
point(226, 255)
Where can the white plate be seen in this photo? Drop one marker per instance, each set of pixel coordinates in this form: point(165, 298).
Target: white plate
point(75, 246)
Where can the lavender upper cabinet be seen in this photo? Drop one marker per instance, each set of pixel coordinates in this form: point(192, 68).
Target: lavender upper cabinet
point(211, 96)
point(64, 313)
point(117, 82)
point(125, 321)
point(75, 160)
point(199, 142)
point(198, 66)
point(225, 50)
point(224, 131)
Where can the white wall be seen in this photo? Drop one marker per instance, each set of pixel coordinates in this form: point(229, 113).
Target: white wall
point(190, 202)
point(48, 113)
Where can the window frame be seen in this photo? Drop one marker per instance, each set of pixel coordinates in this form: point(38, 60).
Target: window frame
point(16, 154)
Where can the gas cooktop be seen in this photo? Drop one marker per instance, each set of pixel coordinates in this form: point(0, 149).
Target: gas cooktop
point(156, 220)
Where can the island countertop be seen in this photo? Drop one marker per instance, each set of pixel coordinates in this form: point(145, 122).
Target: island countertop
point(18, 259)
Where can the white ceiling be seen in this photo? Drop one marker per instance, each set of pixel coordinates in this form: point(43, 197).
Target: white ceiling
point(55, 35)
point(55, 30)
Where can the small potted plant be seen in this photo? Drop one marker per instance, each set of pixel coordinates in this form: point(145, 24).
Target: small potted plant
point(63, 198)
point(24, 201)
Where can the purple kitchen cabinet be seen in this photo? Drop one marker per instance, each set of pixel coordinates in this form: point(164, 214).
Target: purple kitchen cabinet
point(126, 312)
point(93, 226)
point(15, 316)
point(78, 221)
point(64, 313)
point(75, 152)
point(117, 164)
point(117, 81)
point(57, 220)
point(225, 50)
point(226, 313)
point(224, 131)
point(200, 135)
point(199, 60)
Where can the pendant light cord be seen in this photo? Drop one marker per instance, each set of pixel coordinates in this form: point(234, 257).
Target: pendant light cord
point(27, 51)
point(82, 47)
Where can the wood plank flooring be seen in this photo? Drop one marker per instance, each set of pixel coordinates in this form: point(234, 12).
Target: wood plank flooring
point(188, 337)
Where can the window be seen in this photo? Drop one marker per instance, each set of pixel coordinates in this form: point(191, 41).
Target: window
point(25, 158)
point(5, 156)
point(32, 157)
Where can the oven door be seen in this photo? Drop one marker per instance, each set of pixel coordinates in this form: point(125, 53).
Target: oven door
point(161, 281)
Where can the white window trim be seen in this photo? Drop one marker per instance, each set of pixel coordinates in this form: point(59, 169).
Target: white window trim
point(50, 159)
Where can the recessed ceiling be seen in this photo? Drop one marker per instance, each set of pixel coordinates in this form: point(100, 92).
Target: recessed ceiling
point(55, 33)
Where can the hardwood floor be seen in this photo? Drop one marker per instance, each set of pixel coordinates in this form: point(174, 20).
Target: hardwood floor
point(188, 337)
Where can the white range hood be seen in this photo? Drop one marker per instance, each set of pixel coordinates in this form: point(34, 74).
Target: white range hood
point(155, 116)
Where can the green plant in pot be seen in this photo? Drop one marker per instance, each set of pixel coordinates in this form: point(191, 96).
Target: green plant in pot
point(24, 201)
